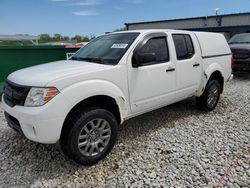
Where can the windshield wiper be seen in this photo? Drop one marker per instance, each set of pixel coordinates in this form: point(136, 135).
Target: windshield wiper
point(74, 58)
point(92, 60)
point(81, 59)
point(85, 59)
point(97, 60)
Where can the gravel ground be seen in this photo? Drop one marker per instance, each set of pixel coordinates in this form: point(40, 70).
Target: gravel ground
point(176, 146)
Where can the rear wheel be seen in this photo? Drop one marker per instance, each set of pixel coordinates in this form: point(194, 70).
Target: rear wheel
point(209, 99)
point(91, 137)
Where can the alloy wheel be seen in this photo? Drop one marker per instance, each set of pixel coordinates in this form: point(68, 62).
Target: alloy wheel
point(212, 97)
point(94, 137)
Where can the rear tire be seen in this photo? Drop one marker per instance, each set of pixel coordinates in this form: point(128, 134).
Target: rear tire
point(210, 97)
point(91, 137)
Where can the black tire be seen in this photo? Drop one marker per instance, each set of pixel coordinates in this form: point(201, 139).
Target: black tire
point(203, 102)
point(79, 122)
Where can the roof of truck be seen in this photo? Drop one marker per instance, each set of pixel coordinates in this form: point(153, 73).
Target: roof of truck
point(145, 31)
point(207, 40)
point(150, 30)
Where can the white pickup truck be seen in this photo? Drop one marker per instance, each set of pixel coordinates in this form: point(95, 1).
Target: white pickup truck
point(81, 101)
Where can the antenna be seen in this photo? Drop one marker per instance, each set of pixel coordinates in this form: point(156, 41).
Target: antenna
point(216, 11)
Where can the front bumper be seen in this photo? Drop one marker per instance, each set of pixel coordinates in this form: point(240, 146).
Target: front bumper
point(40, 124)
point(13, 122)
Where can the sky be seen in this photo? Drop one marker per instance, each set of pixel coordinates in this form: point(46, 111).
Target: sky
point(95, 17)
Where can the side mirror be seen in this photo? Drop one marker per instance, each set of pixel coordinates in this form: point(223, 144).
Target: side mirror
point(139, 59)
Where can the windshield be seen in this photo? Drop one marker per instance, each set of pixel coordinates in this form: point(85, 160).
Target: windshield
point(106, 49)
point(241, 38)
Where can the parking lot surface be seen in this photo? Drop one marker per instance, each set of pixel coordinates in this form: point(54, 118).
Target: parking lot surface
point(176, 146)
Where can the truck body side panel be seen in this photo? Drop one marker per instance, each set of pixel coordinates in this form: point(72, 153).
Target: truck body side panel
point(216, 56)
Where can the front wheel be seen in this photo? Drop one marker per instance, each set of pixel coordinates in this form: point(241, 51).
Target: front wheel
point(91, 137)
point(209, 99)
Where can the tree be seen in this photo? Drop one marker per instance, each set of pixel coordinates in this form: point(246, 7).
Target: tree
point(65, 38)
point(120, 29)
point(85, 39)
point(77, 38)
point(57, 37)
point(80, 38)
point(45, 38)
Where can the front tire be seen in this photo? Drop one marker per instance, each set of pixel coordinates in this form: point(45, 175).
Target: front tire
point(210, 98)
point(92, 136)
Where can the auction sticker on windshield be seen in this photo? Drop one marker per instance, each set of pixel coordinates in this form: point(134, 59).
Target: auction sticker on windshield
point(119, 46)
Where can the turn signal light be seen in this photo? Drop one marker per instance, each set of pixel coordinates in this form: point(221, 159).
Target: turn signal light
point(51, 93)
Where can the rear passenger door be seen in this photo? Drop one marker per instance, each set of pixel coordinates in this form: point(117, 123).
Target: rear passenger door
point(188, 64)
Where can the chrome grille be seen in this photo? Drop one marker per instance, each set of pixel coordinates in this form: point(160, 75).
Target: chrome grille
point(15, 94)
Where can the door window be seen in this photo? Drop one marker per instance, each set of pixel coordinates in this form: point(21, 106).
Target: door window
point(157, 46)
point(184, 46)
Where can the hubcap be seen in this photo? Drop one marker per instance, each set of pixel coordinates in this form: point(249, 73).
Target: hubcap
point(212, 96)
point(94, 137)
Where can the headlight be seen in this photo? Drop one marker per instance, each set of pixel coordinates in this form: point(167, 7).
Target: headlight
point(40, 96)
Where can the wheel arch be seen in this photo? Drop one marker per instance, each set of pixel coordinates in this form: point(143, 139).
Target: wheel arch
point(102, 101)
point(214, 71)
point(217, 75)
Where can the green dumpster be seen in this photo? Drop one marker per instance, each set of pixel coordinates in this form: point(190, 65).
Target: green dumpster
point(13, 58)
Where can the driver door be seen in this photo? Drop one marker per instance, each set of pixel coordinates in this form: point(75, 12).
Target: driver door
point(152, 84)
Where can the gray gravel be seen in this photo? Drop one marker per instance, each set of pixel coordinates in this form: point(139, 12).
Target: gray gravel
point(176, 146)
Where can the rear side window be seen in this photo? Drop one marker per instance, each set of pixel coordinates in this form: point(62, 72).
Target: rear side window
point(184, 46)
point(158, 46)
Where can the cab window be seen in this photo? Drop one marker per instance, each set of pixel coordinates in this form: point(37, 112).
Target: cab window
point(184, 46)
point(157, 46)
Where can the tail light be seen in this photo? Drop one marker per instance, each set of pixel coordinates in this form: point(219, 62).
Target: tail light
point(232, 61)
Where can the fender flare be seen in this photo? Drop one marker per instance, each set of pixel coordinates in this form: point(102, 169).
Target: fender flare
point(213, 68)
point(207, 74)
point(92, 88)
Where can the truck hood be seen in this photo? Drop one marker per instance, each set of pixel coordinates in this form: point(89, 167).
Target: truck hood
point(41, 75)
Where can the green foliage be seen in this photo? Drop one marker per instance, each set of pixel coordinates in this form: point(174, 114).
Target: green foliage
point(120, 29)
point(58, 37)
point(77, 38)
point(45, 38)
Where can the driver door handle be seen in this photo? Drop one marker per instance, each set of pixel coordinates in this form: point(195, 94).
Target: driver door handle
point(170, 69)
